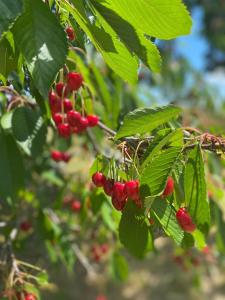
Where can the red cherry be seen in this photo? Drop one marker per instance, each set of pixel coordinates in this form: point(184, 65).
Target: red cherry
point(185, 221)
point(76, 205)
point(74, 81)
point(104, 248)
point(70, 33)
point(101, 297)
point(98, 179)
point(83, 124)
point(25, 226)
point(54, 102)
point(64, 130)
point(73, 117)
point(151, 221)
point(30, 297)
point(67, 104)
point(92, 120)
point(119, 191)
point(61, 89)
point(57, 118)
point(65, 156)
point(132, 189)
point(118, 203)
point(108, 187)
point(56, 155)
point(169, 187)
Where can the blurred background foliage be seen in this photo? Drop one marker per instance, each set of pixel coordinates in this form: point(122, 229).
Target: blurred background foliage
point(192, 76)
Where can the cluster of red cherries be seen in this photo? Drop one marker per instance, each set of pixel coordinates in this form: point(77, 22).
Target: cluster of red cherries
point(183, 217)
point(58, 156)
point(98, 251)
point(120, 192)
point(70, 33)
point(25, 296)
point(66, 118)
point(75, 204)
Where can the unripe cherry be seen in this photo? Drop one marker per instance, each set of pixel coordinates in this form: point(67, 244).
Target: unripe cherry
point(64, 130)
point(169, 187)
point(73, 118)
point(57, 118)
point(76, 205)
point(108, 187)
point(61, 89)
point(56, 155)
point(98, 179)
point(92, 120)
point(132, 189)
point(67, 104)
point(185, 221)
point(74, 81)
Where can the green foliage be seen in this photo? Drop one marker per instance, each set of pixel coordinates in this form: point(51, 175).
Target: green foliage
point(144, 120)
point(42, 41)
point(195, 190)
point(10, 10)
point(119, 266)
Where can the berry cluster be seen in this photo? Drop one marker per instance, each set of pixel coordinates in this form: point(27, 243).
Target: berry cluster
point(120, 192)
point(68, 120)
point(98, 251)
point(60, 156)
point(25, 296)
point(185, 221)
point(70, 33)
point(75, 204)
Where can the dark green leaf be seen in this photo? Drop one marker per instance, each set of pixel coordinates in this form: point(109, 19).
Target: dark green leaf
point(195, 190)
point(10, 10)
point(42, 41)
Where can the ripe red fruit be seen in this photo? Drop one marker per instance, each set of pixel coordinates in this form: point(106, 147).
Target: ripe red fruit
point(83, 124)
point(104, 248)
point(70, 33)
point(74, 81)
point(65, 156)
point(108, 187)
point(56, 155)
point(61, 89)
point(101, 297)
point(30, 297)
point(54, 102)
point(64, 130)
point(76, 205)
point(57, 118)
point(118, 203)
point(119, 191)
point(169, 187)
point(99, 179)
point(185, 221)
point(25, 226)
point(73, 118)
point(132, 189)
point(67, 104)
point(92, 120)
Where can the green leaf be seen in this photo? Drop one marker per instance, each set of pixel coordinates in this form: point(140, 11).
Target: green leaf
point(154, 176)
point(134, 39)
point(166, 215)
point(133, 231)
point(120, 269)
point(164, 19)
point(29, 130)
point(6, 120)
point(9, 61)
point(11, 167)
point(175, 138)
point(144, 120)
point(42, 41)
point(10, 10)
point(105, 40)
point(196, 198)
